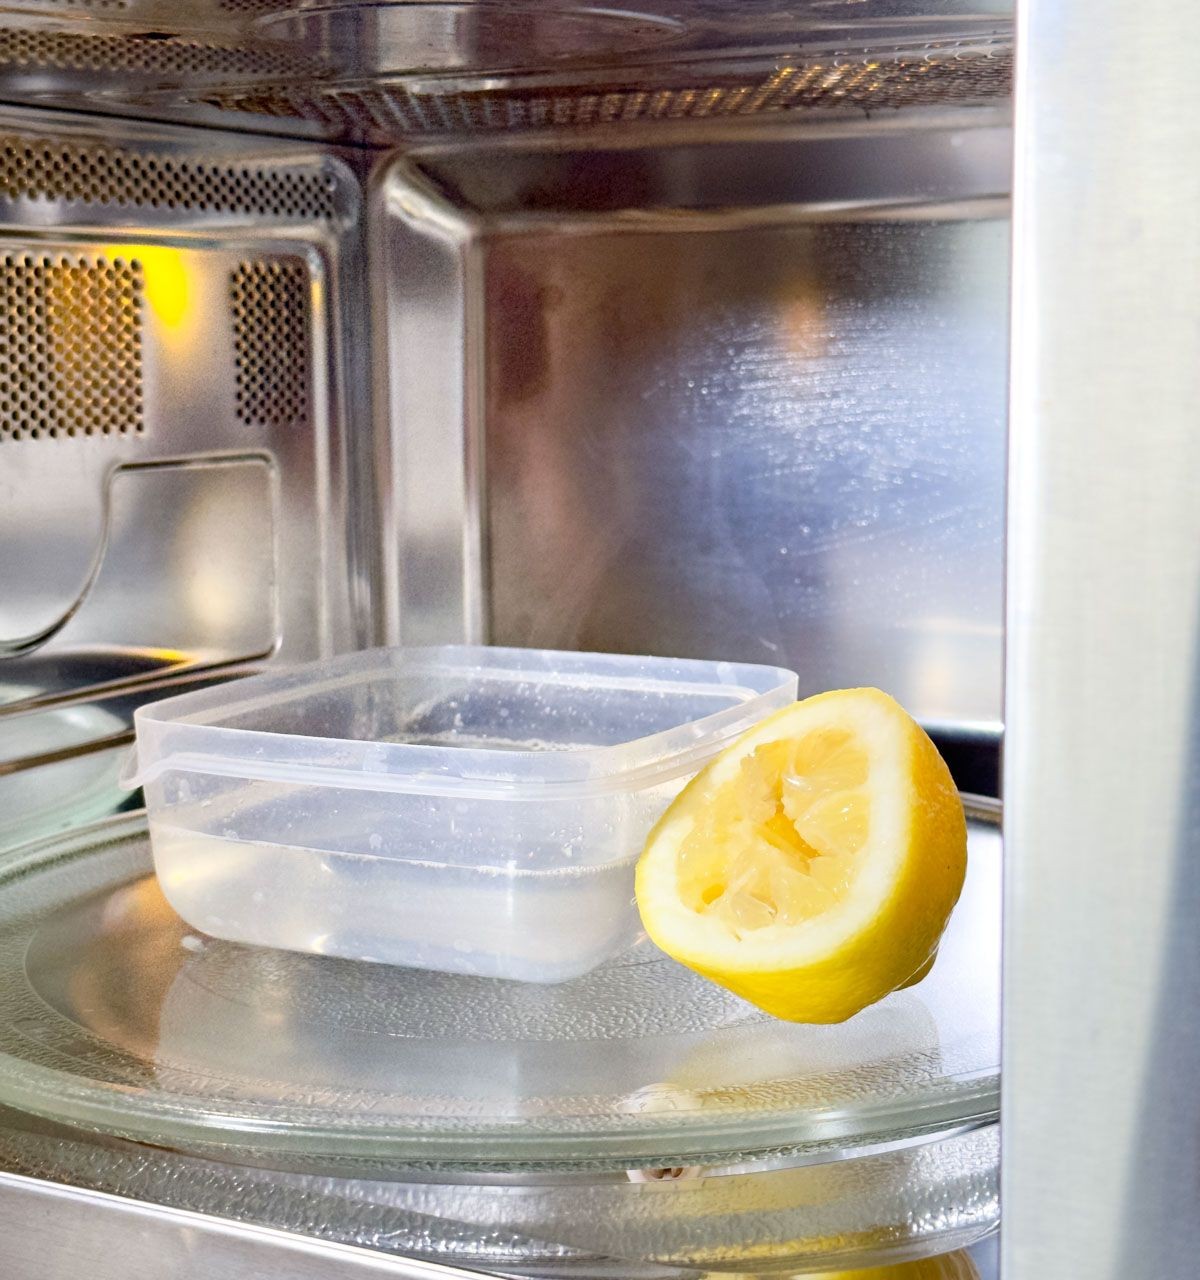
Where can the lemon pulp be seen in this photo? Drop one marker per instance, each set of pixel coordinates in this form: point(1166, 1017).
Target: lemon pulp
point(777, 844)
point(813, 865)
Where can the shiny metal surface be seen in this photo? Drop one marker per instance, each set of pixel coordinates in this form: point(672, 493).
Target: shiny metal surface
point(426, 344)
point(75, 1231)
point(1101, 1113)
point(379, 70)
point(861, 272)
point(740, 400)
point(178, 376)
point(61, 753)
point(177, 556)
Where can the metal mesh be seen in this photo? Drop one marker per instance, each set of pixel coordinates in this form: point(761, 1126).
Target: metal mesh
point(163, 7)
point(269, 300)
point(85, 4)
point(70, 347)
point(77, 51)
point(56, 170)
point(933, 75)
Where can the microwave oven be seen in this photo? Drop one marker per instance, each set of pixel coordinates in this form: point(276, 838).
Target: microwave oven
point(850, 336)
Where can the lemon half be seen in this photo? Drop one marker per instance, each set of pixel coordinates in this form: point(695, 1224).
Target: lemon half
point(812, 866)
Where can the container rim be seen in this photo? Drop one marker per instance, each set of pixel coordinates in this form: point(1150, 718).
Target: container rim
point(463, 772)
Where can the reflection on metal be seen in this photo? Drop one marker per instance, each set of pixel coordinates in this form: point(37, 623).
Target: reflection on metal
point(64, 736)
point(947, 74)
point(106, 675)
point(378, 71)
point(110, 1238)
point(1102, 763)
point(58, 755)
point(167, 288)
point(143, 509)
point(742, 401)
point(185, 558)
point(136, 201)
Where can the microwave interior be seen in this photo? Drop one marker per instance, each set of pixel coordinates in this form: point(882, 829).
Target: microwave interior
point(673, 330)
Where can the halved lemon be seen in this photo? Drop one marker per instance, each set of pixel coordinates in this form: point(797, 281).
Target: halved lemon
point(812, 866)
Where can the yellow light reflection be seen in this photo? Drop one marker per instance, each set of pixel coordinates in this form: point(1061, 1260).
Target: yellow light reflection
point(168, 657)
point(167, 286)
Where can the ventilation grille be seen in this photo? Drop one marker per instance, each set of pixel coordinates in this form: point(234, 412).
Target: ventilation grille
point(933, 75)
point(75, 51)
point(270, 303)
point(70, 347)
point(108, 175)
point(86, 4)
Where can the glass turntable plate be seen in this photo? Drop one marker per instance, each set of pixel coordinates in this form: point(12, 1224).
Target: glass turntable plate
point(117, 1016)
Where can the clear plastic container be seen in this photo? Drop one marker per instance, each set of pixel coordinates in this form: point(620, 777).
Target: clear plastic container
point(473, 810)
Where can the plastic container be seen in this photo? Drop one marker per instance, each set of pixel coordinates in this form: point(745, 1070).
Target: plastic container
point(473, 810)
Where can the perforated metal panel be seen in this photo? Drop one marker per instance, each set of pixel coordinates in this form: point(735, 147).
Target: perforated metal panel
point(86, 4)
point(269, 301)
point(930, 75)
point(174, 400)
point(379, 72)
point(70, 347)
point(59, 170)
point(256, 6)
point(176, 55)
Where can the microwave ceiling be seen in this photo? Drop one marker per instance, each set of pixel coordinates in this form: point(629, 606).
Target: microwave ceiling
point(378, 71)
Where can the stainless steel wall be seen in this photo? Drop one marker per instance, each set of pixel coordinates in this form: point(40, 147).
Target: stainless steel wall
point(741, 401)
point(180, 486)
point(780, 444)
point(741, 398)
point(175, 397)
